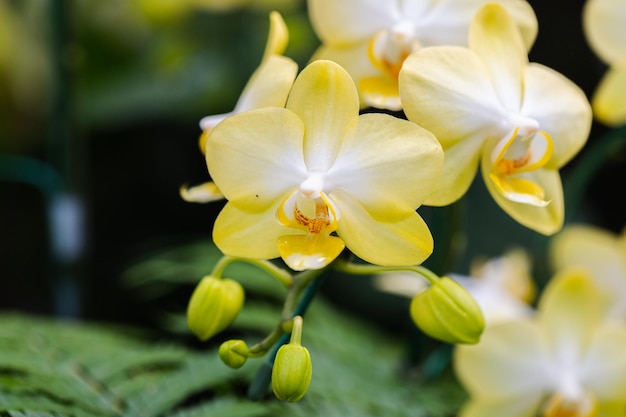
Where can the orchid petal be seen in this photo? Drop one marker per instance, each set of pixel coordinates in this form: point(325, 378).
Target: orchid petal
point(509, 361)
point(604, 367)
point(203, 193)
point(452, 104)
point(459, 170)
point(609, 100)
point(448, 22)
point(278, 36)
point(267, 141)
point(326, 100)
point(390, 165)
point(495, 38)
point(560, 107)
point(593, 249)
point(207, 123)
point(269, 85)
point(568, 313)
point(518, 406)
point(598, 252)
point(530, 210)
point(404, 242)
point(250, 235)
point(335, 22)
point(603, 22)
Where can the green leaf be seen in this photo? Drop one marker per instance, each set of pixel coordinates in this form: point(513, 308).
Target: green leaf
point(86, 370)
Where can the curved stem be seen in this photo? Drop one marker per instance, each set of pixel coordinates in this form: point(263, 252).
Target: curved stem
point(294, 305)
point(367, 269)
point(309, 281)
point(280, 274)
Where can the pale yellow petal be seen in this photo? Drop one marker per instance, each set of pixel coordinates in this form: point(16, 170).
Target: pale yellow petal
point(495, 38)
point(509, 361)
point(448, 22)
point(560, 107)
point(269, 85)
point(207, 123)
point(568, 314)
point(405, 242)
point(390, 165)
point(596, 250)
point(604, 367)
point(447, 90)
point(250, 235)
point(545, 219)
point(326, 100)
point(516, 406)
point(604, 22)
point(278, 36)
point(459, 170)
point(203, 193)
point(348, 21)
point(609, 99)
point(353, 58)
point(255, 156)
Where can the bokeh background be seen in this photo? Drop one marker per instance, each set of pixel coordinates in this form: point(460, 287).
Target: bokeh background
point(99, 110)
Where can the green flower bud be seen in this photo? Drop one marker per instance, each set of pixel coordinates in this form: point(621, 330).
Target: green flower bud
point(292, 371)
point(234, 353)
point(213, 306)
point(446, 311)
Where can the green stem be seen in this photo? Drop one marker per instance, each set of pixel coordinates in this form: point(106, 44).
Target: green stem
point(296, 331)
point(291, 308)
point(260, 383)
point(280, 274)
point(367, 269)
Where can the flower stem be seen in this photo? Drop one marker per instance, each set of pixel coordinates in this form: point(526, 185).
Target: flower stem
point(307, 281)
point(367, 269)
point(280, 274)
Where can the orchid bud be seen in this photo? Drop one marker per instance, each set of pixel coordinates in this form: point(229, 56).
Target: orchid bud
point(213, 306)
point(292, 371)
point(446, 311)
point(234, 353)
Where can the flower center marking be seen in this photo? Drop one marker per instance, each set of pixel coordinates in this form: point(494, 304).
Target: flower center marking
point(387, 51)
point(309, 210)
point(525, 150)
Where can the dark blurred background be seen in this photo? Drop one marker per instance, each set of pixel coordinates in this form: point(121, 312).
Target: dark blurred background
point(99, 110)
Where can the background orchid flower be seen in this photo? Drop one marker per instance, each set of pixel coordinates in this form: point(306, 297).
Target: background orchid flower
point(502, 286)
point(599, 252)
point(268, 86)
point(487, 104)
point(294, 176)
point(604, 22)
point(568, 360)
point(372, 38)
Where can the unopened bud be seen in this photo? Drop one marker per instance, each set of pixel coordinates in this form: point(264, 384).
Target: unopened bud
point(233, 353)
point(213, 306)
point(446, 311)
point(292, 371)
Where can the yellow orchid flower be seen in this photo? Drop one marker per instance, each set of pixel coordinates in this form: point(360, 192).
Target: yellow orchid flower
point(371, 39)
point(604, 22)
point(601, 253)
point(486, 104)
point(567, 361)
point(268, 86)
point(294, 176)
